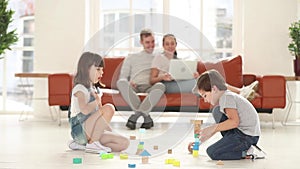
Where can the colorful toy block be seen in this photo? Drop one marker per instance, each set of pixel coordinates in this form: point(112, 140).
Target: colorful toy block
point(142, 130)
point(105, 156)
point(123, 156)
point(176, 163)
point(195, 153)
point(77, 160)
point(132, 137)
point(220, 162)
point(131, 165)
point(170, 151)
point(145, 159)
point(140, 146)
point(169, 160)
point(155, 147)
point(145, 153)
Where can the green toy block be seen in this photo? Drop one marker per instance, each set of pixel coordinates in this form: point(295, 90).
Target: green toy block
point(77, 160)
point(140, 146)
point(107, 156)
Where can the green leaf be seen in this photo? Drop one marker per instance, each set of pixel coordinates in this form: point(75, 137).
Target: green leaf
point(6, 38)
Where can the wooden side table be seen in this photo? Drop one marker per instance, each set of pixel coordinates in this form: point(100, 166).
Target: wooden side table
point(291, 101)
point(26, 87)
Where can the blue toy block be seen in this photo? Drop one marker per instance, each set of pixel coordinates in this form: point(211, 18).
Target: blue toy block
point(131, 165)
point(145, 153)
point(195, 147)
point(142, 130)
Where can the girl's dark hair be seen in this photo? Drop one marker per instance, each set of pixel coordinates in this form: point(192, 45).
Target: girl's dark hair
point(171, 35)
point(211, 78)
point(85, 62)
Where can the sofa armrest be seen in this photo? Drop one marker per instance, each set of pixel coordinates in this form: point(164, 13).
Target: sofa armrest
point(272, 88)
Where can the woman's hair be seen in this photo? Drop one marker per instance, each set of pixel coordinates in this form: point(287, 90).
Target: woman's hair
point(211, 78)
point(170, 35)
point(85, 62)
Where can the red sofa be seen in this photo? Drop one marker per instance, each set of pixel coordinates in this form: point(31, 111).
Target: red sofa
point(272, 88)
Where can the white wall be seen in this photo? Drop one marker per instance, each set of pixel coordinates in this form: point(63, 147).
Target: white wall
point(266, 38)
point(59, 40)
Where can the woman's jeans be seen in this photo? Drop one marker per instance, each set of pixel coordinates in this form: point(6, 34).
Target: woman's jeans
point(180, 86)
point(233, 143)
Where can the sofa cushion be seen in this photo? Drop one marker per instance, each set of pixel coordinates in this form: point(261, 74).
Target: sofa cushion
point(231, 69)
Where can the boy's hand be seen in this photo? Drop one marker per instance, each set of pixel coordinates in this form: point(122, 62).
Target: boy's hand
point(207, 132)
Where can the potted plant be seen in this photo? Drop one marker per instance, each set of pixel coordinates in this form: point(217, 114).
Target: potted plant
point(294, 46)
point(7, 38)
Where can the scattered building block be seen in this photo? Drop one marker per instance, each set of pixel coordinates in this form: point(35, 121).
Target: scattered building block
point(139, 151)
point(170, 151)
point(77, 160)
point(176, 163)
point(220, 162)
point(195, 153)
point(196, 121)
point(123, 156)
point(169, 160)
point(140, 146)
point(145, 153)
point(155, 147)
point(142, 130)
point(105, 156)
point(132, 137)
point(145, 159)
point(131, 165)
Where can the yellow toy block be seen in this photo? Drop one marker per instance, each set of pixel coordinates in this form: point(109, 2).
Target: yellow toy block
point(195, 153)
point(123, 156)
point(176, 163)
point(169, 160)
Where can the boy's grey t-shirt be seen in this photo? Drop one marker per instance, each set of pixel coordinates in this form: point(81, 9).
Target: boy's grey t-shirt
point(249, 120)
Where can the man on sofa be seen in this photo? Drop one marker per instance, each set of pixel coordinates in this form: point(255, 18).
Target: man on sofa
point(135, 78)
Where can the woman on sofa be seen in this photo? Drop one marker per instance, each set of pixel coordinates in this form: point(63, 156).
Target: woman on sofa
point(160, 68)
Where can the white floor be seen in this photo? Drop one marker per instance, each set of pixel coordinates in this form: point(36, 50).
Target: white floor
point(41, 144)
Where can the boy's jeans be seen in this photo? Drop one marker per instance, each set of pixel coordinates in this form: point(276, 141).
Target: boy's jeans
point(233, 143)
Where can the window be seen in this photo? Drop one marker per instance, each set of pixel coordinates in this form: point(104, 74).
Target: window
point(19, 59)
point(210, 23)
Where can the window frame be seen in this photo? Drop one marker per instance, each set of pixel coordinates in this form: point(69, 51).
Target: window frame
point(93, 25)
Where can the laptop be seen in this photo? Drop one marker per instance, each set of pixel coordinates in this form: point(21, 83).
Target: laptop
point(182, 69)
